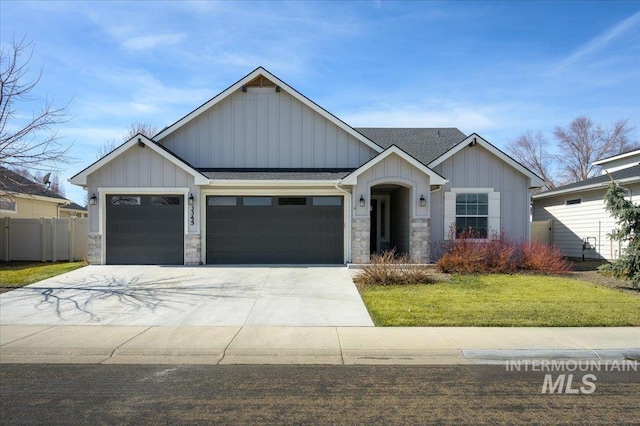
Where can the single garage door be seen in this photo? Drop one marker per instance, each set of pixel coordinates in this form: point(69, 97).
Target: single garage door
point(272, 230)
point(145, 230)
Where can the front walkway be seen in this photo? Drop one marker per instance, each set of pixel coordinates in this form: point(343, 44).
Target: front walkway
point(190, 296)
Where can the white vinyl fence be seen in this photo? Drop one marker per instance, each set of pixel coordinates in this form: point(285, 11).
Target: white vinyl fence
point(44, 240)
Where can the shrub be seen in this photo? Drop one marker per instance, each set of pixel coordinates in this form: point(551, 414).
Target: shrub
point(391, 268)
point(466, 254)
point(543, 259)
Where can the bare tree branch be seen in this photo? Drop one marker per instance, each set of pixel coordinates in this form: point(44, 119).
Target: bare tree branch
point(583, 142)
point(531, 151)
point(32, 143)
point(145, 129)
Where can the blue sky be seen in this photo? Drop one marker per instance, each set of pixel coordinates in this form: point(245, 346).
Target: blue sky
point(495, 68)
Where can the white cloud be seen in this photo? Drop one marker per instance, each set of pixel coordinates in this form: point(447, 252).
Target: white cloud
point(149, 42)
point(602, 40)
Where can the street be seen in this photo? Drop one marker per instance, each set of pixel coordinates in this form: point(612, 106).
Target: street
point(259, 394)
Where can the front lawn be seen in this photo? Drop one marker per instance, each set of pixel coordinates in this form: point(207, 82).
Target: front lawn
point(18, 274)
point(502, 300)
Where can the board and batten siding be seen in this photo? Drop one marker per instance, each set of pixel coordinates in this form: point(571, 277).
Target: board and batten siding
point(476, 167)
point(393, 170)
point(265, 129)
point(572, 223)
point(138, 168)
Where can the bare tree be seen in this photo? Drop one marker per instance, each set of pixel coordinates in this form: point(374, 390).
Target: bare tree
point(580, 144)
point(31, 143)
point(57, 185)
point(106, 148)
point(583, 142)
point(531, 150)
point(145, 129)
point(134, 128)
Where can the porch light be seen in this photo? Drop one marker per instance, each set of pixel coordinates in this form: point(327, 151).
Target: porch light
point(423, 201)
point(362, 202)
point(191, 199)
point(93, 200)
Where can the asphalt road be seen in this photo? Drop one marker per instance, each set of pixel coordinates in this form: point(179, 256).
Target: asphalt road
point(109, 394)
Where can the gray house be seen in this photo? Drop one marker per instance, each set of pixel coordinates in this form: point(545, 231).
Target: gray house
point(581, 224)
point(261, 174)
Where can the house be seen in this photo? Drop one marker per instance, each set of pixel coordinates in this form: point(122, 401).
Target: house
point(581, 223)
point(22, 198)
point(261, 174)
point(73, 210)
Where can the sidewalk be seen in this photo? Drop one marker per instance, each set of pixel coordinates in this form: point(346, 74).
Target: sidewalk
point(312, 345)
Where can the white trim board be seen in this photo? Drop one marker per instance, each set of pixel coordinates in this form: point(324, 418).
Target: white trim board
point(81, 178)
point(474, 138)
point(434, 178)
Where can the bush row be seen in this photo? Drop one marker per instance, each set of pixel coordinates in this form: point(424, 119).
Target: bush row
point(500, 254)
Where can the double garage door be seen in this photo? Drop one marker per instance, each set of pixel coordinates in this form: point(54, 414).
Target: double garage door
point(149, 229)
point(274, 230)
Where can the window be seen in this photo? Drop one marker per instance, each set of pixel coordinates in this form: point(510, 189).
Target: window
point(256, 201)
point(477, 209)
point(8, 205)
point(222, 201)
point(573, 201)
point(125, 200)
point(472, 214)
point(292, 201)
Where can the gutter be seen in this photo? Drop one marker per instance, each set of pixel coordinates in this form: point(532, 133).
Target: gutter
point(582, 188)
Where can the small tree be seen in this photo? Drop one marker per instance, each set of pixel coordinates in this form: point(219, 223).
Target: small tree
point(627, 215)
point(27, 141)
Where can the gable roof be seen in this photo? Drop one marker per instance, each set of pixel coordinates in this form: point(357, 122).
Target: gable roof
point(15, 183)
point(436, 179)
point(474, 138)
point(81, 178)
point(260, 71)
point(424, 144)
point(630, 174)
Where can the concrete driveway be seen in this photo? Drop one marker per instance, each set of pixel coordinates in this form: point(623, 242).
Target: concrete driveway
point(189, 296)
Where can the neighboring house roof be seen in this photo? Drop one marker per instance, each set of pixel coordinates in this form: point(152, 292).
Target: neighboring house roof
point(81, 178)
point(424, 144)
point(617, 157)
point(260, 71)
point(275, 174)
point(630, 174)
point(73, 206)
point(14, 183)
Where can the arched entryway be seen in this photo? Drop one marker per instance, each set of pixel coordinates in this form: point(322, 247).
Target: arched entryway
point(390, 218)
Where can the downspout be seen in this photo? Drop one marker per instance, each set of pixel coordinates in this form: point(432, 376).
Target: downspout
point(347, 199)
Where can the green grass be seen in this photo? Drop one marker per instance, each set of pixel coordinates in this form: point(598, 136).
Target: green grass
point(18, 274)
point(502, 300)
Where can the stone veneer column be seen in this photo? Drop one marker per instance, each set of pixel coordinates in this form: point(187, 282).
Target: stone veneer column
point(94, 249)
point(360, 245)
point(192, 249)
point(420, 233)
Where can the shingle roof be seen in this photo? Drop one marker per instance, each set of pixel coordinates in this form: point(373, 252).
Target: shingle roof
point(631, 172)
point(276, 174)
point(74, 206)
point(11, 181)
point(424, 144)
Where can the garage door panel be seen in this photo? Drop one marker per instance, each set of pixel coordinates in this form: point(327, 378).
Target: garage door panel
point(147, 233)
point(290, 230)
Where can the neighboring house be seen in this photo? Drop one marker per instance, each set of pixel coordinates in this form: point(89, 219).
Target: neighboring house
point(261, 174)
point(73, 210)
point(578, 209)
point(21, 198)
